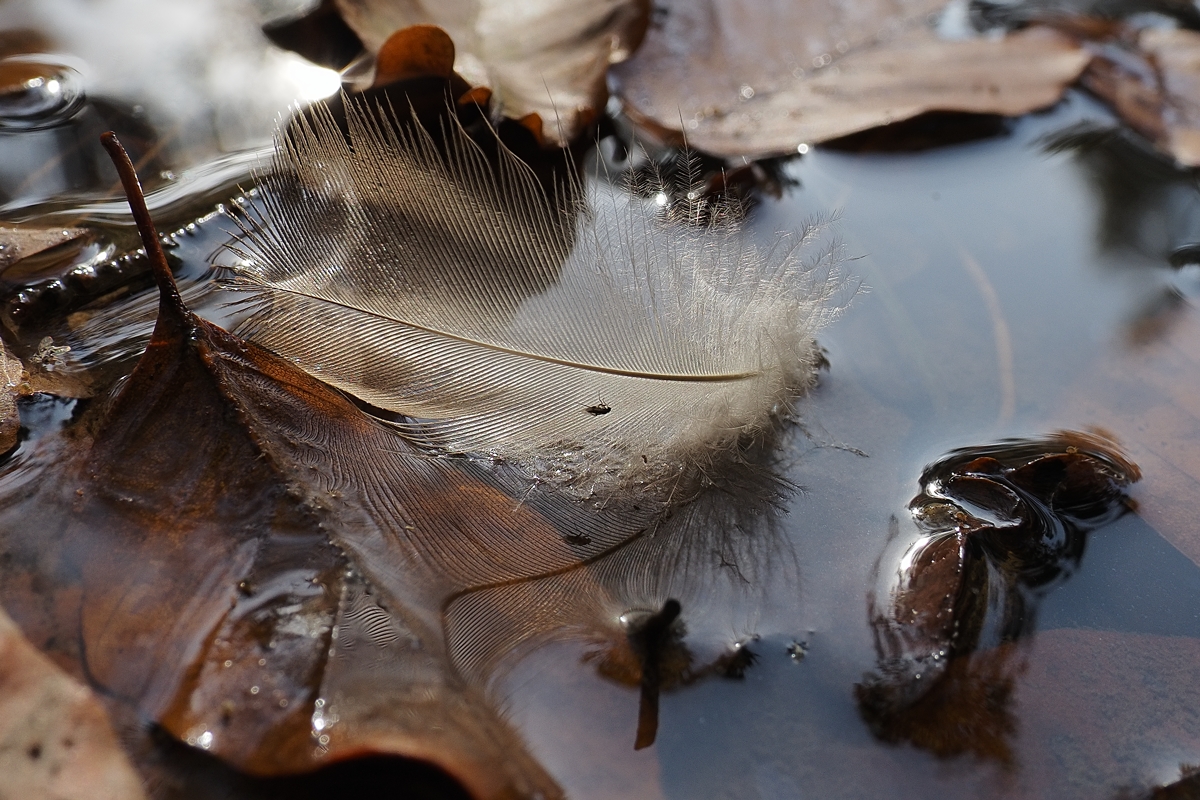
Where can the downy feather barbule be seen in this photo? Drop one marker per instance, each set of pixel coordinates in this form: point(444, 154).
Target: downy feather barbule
point(601, 344)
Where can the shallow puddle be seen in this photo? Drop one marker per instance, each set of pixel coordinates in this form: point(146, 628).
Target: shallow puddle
point(1012, 287)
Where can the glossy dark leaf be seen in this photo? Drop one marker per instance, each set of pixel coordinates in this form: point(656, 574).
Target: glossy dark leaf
point(997, 527)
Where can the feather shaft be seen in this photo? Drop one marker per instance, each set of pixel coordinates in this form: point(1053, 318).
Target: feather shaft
point(499, 316)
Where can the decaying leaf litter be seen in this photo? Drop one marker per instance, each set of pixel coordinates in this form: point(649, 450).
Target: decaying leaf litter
point(754, 79)
point(615, 582)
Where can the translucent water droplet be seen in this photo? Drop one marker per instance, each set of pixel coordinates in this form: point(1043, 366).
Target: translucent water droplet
point(38, 91)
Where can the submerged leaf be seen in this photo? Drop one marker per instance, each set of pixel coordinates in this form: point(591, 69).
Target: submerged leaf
point(604, 349)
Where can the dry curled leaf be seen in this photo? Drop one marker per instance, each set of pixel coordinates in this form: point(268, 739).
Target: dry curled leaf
point(725, 72)
point(548, 57)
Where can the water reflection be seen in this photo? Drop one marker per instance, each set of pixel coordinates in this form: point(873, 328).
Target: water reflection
point(1149, 218)
point(181, 83)
point(38, 91)
point(673, 606)
point(996, 529)
point(1149, 206)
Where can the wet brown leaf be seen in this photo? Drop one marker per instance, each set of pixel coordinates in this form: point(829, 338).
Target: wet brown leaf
point(548, 57)
point(209, 601)
point(55, 739)
point(733, 75)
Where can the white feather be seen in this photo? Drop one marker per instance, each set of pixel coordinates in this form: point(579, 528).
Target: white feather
point(603, 348)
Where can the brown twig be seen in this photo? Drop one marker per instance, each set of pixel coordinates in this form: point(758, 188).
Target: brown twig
point(170, 303)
